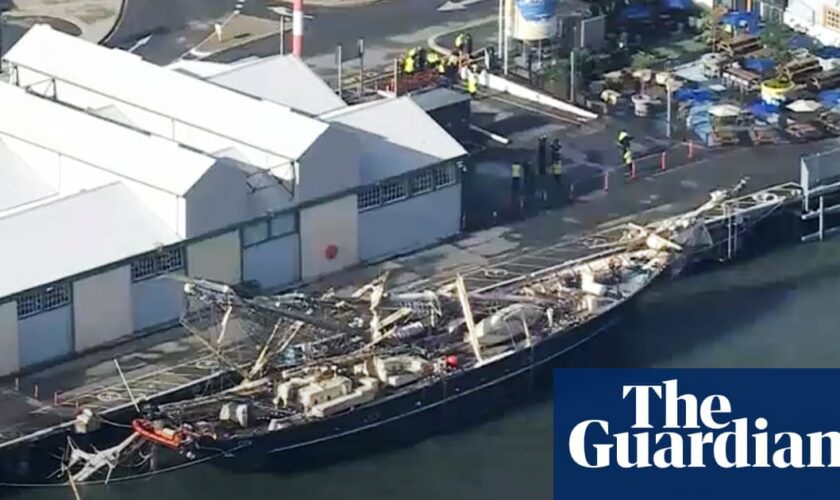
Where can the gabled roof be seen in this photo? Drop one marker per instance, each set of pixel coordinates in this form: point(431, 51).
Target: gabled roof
point(76, 234)
point(110, 147)
point(19, 184)
point(282, 79)
point(126, 78)
point(397, 137)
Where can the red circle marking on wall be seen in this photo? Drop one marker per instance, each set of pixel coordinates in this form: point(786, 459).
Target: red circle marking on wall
point(330, 252)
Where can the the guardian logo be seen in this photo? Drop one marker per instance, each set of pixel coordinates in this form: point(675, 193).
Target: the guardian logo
point(693, 432)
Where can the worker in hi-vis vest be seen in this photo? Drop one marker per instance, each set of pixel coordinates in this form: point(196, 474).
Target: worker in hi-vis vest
point(556, 163)
point(472, 81)
point(627, 157)
point(409, 62)
point(624, 140)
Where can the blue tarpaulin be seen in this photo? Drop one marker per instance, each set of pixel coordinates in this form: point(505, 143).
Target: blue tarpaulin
point(636, 13)
point(762, 110)
point(739, 19)
point(802, 42)
point(694, 95)
point(829, 98)
point(678, 4)
point(829, 53)
point(759, 65)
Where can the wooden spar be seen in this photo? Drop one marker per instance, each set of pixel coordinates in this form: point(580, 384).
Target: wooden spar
point(225, 320)
point(468, 316)
point(527, 331)
point(661, 239)
point(127, 388)
point(261, 359)
point(72, 483)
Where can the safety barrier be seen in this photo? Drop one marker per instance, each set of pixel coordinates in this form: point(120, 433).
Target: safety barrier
point(644, 166)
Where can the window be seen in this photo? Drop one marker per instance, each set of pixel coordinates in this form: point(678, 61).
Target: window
point(282, 225)
point(444, 175)
point(369, 197)
point(423, 182)
point(159, 263)
point(393, 191)
point(43, 300)
point(831, 18)
point(255, 233)
point(56, 296)
point(28, 305)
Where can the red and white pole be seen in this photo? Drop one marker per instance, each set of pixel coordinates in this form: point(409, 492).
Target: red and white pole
point(297, 28)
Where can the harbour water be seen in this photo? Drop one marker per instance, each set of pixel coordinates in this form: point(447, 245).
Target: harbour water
point(776, 310)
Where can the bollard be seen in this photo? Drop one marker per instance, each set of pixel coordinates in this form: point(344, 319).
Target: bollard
point(17, 384)
point(606, 180)
point(55, 398)
point(36, 391)
point(662, 161)
point(571, 191)
point(633, 169)
point(690, 149)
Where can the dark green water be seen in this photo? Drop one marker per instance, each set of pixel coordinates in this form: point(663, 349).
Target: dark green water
point(780, 310)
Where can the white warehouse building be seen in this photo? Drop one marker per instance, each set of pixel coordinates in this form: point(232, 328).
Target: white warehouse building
point(145, 170)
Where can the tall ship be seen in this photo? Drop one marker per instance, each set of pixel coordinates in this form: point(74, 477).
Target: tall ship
point(334, 376)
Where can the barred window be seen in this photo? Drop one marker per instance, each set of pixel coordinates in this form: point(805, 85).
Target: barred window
point(159, 263)
point(29, 304)
point(444, 175)
point(393, 191)
point(282, 225)
point(255, 233)
point(369, 197)
point(43, 300)
point(423, 182)
point(56, 296)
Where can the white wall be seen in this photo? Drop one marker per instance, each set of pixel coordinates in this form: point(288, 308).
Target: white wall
point(330, 166)
point(217, 259)
point(218, 199)
point(409, 224)
point(333, 223)
point(102, 308)
point(272, 263)
point(9, 361)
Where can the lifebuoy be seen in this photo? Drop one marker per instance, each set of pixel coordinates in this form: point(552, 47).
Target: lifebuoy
point(331, 252)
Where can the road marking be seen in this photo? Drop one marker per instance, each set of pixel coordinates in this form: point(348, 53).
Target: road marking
point(450, 5)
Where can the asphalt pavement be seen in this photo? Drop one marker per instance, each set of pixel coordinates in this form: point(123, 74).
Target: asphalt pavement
point(161, 31)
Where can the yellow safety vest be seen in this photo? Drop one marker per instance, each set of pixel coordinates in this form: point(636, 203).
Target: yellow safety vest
point(432, 58)
point(441, 67)
point(472, 84)
point(453, 60)
point(408, 66)
point(459, 41)
point(556, 168)
point(412, 52)
point(628, 157)
point(622, 135)
point(516, 171)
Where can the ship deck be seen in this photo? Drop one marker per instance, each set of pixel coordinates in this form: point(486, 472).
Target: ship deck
point(173, 359)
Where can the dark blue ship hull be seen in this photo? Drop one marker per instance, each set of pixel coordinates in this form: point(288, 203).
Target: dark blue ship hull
point(449, 404)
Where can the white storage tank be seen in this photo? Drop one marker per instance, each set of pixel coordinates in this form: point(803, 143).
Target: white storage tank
point(534, 20)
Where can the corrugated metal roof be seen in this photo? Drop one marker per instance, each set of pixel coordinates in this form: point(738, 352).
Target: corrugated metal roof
point(19, 184)
point(285, 80)
point(397, 137)
point(439, 98)
point(108, 146)
point(125, 77)
point(76, 234)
